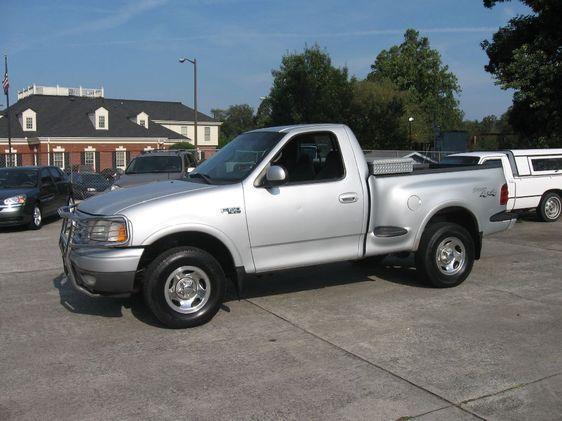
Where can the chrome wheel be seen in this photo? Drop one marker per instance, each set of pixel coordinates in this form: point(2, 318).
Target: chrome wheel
point(553, 207)
point(450, 256)
point(37, 216)
point(187, 289)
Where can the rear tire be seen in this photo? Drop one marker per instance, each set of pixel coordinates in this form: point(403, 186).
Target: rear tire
point(550, 207)
point(184, 287)
point(445, 255)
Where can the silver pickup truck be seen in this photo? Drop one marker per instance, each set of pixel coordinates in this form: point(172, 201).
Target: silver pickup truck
point(273, 199)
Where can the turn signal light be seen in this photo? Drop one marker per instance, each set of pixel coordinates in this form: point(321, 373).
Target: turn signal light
point(122, 234)
point(504, 195)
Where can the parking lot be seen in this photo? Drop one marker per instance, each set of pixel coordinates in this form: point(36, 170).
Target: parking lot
point(342, 341)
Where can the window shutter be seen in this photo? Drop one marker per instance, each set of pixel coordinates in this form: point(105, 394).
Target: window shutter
point(114, 160)
point(82, 158)
point(19, 160)
point(51, 158)
point(97, 161)
point(128, 158)
point(66, 160)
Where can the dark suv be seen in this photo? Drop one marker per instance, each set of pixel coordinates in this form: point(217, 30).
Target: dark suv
point(157, 165)
point(29, 194)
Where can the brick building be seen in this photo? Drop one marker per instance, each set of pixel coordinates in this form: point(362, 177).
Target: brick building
point(70, 126)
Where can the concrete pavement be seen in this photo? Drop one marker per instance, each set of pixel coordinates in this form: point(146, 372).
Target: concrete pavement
point(341, 341)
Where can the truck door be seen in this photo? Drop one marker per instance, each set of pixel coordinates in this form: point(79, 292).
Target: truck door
point(317, 216)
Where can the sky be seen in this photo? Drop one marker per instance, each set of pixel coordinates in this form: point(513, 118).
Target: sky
point(131, 47)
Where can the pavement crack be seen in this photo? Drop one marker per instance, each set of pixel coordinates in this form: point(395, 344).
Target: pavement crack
point(515, 387)
point(391, 373)
point(482, 284)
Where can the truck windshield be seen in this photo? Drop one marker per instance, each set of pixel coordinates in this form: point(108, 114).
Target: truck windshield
point(154, 164)
point(459, 160)
point(17, 178)
point(237, 159)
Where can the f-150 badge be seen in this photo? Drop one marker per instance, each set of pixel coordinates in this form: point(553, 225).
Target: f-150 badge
point(485, 192)
point(231, 211)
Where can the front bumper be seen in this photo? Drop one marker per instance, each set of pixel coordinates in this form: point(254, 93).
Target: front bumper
point(96, 271)
point(14, 215)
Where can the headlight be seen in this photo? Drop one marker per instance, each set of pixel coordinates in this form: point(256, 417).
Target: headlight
point(115, 187)
point(112, 231)
point(15, 200)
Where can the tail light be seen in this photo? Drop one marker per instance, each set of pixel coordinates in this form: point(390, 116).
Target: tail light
point(504, 195)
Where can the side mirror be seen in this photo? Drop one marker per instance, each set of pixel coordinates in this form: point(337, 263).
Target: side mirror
point(276, 176)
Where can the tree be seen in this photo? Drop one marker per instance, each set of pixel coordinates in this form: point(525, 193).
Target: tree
point(308, 89)
point(182, 145)
point(416, 68)
point(375, 115)
point(236, 119)
point(526, 55)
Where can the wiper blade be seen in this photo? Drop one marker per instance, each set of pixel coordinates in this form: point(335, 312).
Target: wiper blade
point(205, 177)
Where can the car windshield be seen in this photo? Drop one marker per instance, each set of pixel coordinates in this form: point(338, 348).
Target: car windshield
point(154, 164)
point(237, 159)
point(11, 178)
point(460, 160)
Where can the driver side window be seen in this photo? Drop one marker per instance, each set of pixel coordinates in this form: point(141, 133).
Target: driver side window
point(311, 157)
point(46, 179)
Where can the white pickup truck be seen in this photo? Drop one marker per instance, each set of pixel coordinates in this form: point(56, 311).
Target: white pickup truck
point(534, 177)
point(272, 199)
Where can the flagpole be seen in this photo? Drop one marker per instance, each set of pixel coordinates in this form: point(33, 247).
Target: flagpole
point(8, 113)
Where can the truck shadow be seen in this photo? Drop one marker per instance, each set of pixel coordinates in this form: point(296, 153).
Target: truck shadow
point(392, 269)
point(78, 303)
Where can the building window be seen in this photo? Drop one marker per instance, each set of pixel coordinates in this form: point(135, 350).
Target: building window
point(207, 134)
point(121, 159)
point(101, 122)
point(142, 123)
point(184, 131)
point(90, 159)
point(29, 123)
point(58, 159)
point(11, 160)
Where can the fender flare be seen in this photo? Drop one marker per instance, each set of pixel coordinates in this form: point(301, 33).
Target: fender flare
point(199, 228)
point(434, 211)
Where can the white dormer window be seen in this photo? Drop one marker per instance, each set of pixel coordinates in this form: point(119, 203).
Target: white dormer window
point(100, 118)
point(28, 120)
point(142, 119)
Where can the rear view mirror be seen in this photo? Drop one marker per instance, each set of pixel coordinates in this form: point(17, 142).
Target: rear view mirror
point(276, 176)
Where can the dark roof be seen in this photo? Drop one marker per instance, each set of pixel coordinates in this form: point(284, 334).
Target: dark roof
point(67, 116)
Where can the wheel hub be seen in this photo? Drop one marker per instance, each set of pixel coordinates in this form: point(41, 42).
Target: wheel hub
point(450, 256)
point(185, 288)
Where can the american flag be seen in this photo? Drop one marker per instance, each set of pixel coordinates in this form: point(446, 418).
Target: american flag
point(5, 83)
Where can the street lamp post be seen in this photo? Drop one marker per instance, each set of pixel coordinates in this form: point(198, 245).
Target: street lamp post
point(410, 121)
point(194, 62)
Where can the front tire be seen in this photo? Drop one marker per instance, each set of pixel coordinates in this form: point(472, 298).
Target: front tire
point(446, 255)
point(550, 207)
point(184, 287)
point(36, 218)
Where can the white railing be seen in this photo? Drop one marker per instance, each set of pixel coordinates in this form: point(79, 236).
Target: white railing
point(60, 91)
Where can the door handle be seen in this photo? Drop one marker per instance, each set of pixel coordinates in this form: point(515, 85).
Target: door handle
point(348, 197)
